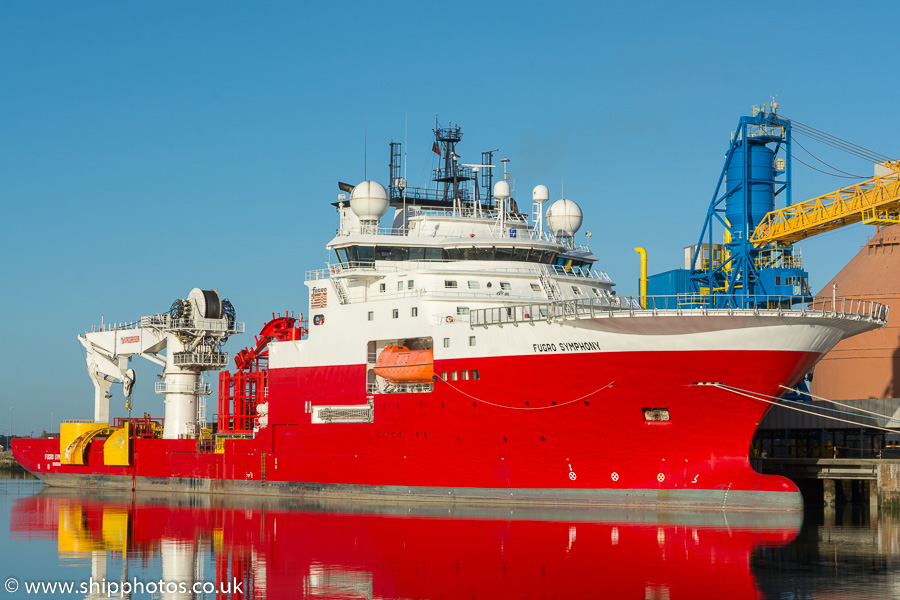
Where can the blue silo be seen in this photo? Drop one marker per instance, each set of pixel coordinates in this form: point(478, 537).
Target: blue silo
point(761, 169)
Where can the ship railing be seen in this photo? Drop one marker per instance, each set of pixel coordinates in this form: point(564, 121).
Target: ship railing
point(682, 304)
point(118, 326)
point(561, 271)
point(399, 388)
point(196, 387)
point(337, 269)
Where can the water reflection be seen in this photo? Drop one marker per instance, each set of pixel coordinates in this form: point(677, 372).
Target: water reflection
point(280, 548)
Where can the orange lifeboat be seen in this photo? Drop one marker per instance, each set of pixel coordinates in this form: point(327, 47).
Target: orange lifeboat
point(399, 364)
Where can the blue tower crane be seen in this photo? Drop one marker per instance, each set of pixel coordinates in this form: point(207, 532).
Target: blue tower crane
point(736, 273)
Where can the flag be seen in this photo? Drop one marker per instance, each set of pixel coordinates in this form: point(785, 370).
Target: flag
point(436, 149)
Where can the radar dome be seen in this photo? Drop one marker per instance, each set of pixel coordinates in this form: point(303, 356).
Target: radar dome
point(501, 190)
point(369, 201)
point(564, 218)
point(540, 194)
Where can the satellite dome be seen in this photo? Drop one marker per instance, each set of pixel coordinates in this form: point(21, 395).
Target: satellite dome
point(501, 190)
point(564, 218)
point(540, 194)
point(369, 201)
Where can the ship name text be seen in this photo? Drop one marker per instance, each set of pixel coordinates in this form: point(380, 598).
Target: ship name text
point(567, 347)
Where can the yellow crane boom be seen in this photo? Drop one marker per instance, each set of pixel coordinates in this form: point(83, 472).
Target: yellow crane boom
point(875, 201)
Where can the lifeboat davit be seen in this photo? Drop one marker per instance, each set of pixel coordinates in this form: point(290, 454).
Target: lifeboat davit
point(399, 364)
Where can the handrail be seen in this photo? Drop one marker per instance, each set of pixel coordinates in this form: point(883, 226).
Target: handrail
point(681, 305)
point(499, 267)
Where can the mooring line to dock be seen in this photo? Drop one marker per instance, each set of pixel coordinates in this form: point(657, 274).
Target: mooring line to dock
point(757, 396)
point(879, 415)
point(610, 384)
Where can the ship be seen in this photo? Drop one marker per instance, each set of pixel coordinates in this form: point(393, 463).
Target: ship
point(469, 353)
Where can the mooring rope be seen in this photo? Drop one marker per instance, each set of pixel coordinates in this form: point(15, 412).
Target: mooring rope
point(757, 396)
point(879, 415)
point(610, 384)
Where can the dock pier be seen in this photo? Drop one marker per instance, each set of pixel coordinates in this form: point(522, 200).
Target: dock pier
point(872, 480)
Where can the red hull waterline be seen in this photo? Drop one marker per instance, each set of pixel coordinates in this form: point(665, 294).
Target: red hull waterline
point(509, 437)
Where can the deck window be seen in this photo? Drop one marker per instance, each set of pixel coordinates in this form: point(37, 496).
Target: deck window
point(505, 286)
point(449, 284)
point(474, 285)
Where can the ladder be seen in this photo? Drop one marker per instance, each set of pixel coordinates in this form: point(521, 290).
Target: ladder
point(549, 287)
point(343, 298)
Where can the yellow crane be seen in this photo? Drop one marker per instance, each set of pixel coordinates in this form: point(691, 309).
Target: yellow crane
point(875, 201)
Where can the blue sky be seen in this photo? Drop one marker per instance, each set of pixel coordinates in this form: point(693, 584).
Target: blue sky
point(147, 149)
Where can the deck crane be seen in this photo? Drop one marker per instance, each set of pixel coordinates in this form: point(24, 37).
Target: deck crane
point(192, 333)
point(756, 264)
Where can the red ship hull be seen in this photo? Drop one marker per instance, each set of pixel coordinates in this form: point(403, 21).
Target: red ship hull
point(513, 435)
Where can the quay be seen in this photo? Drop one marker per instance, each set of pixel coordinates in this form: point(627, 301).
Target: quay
point(872, 480)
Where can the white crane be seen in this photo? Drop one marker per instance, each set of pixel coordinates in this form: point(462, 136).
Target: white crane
point(192, 333)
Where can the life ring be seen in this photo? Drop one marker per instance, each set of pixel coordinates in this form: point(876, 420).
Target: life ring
point(449, 319)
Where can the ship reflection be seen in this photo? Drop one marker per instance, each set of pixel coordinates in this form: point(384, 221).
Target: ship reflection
point(278, 548)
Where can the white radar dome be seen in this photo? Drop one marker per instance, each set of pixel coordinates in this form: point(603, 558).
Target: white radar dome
point(369, 201)
point(501, 190)
point(564, 218)
point(540, 194)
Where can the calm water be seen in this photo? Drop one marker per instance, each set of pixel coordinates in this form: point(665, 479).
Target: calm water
point(180, 546)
